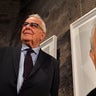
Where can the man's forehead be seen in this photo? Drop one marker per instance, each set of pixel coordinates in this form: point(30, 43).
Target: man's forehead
point(34, 19)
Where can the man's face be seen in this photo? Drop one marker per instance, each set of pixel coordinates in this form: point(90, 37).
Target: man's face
point(32, 32)
point(93, 52)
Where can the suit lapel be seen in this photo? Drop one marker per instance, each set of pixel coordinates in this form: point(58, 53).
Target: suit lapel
point(16, 56)
point(40, 60)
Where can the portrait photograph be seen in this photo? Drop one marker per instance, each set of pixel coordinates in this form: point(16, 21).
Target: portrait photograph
point(84, 72)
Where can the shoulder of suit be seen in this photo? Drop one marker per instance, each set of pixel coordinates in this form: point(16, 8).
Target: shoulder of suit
point(49, 56)
point(7, 48)
point(92, 92)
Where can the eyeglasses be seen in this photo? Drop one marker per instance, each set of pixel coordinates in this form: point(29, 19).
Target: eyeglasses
point(32, 25)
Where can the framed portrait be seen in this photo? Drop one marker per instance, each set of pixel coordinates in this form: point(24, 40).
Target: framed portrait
point(50, 46)
point(84, 72)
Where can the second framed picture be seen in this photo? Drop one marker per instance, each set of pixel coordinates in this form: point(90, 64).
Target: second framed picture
point(84, 72)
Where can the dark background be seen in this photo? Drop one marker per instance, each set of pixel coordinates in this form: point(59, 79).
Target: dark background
point(58, 15)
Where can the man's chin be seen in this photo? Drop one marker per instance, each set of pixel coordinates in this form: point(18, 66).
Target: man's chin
point(27, 38)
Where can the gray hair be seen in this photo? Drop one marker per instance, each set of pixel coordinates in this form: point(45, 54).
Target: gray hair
point(43, 25)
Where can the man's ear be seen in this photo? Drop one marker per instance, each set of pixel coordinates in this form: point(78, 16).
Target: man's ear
point(43, 36)
point(92, 55)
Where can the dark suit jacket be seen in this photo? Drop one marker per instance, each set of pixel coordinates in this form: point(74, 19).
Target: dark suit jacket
point(92, 93)
point(43, 81)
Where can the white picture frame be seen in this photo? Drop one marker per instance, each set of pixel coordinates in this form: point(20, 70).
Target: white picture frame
point(84, 73)
point(50, 46)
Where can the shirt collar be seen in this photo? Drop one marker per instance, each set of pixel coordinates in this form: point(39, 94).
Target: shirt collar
point(36, 50)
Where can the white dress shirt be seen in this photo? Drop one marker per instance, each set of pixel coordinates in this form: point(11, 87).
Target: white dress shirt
point(21, 64)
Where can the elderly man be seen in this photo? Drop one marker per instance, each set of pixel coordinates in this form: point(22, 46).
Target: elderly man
point(27, 70)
